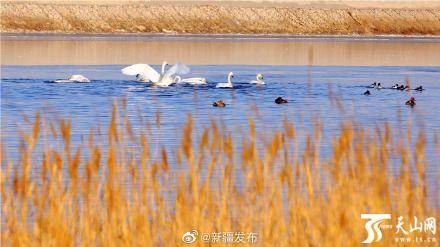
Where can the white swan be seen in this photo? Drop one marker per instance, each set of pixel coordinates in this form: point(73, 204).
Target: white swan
point(144, 78)
point(74, 78)
point(162, 80)
point(226, 84)
point(259, 80)
point(191, 81)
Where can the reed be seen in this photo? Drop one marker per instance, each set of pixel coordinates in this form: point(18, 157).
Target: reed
point(122, 194)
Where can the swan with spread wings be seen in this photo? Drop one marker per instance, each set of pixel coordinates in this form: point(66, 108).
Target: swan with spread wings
point(164, 79)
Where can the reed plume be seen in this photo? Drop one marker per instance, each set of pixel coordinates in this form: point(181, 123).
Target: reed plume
point(283, 189)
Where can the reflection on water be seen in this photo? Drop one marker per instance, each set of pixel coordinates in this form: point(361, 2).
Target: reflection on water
point(24, 91)
point(227, 50)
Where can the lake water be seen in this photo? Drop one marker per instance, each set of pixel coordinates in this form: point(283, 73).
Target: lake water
point(57, 49)
point(24, 91)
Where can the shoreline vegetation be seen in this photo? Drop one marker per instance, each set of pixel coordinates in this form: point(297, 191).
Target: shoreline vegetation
point(223, 17)
point(127, 193)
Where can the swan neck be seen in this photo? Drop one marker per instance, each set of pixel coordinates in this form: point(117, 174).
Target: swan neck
point(163, 67)
point(229, 79)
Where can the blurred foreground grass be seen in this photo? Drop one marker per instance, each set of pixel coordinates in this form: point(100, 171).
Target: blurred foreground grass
point(120, 194)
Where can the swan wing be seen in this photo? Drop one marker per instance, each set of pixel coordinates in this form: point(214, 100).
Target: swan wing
point(78, 78)
point(61, 81)
point(223, 85)
point(178, 68)
point(257, 82)
point(195, 80)
point(145, 70)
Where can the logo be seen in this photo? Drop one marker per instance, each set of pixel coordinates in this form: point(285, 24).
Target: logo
point(190, 237)
point(372, 226)
point(417, 231)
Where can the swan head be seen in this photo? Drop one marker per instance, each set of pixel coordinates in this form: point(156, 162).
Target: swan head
point(177, 79)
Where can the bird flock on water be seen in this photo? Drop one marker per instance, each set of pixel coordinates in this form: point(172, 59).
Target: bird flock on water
point(411, 102)
point(168, 77)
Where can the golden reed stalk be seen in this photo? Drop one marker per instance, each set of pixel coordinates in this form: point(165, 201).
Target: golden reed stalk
point(121, 195)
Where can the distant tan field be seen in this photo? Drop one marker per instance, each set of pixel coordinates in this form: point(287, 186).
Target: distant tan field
point(292, 17)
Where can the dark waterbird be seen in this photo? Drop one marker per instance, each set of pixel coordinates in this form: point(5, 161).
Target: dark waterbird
point(411, 102)
point(419, 88)
point(367, 92)
point(402, 87)
point(280, 100)
point(219, 103)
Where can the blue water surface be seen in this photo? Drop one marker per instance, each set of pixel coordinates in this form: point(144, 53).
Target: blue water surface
point(24, 91)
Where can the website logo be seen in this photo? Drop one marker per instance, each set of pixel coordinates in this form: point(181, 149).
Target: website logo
point(373, 226)
point(190, 237)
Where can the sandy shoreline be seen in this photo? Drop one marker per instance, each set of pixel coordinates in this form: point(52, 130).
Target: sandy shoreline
point(223, 17)
point(187, 36)
point(365, 4)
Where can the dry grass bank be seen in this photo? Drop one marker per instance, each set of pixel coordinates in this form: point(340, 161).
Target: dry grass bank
point(141, 17)
point(129, 195)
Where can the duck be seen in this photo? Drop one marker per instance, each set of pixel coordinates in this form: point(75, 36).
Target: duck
point(402, 87)
point(367, 92)
point(379, 86)
point(419, 88)
point(373, 85)
point(395, 86)
point(259, 80)
point(219, 103)
point(411, 102)
point(280, 100)
point(226, 84)
point(191, 81)
point(74, 78)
